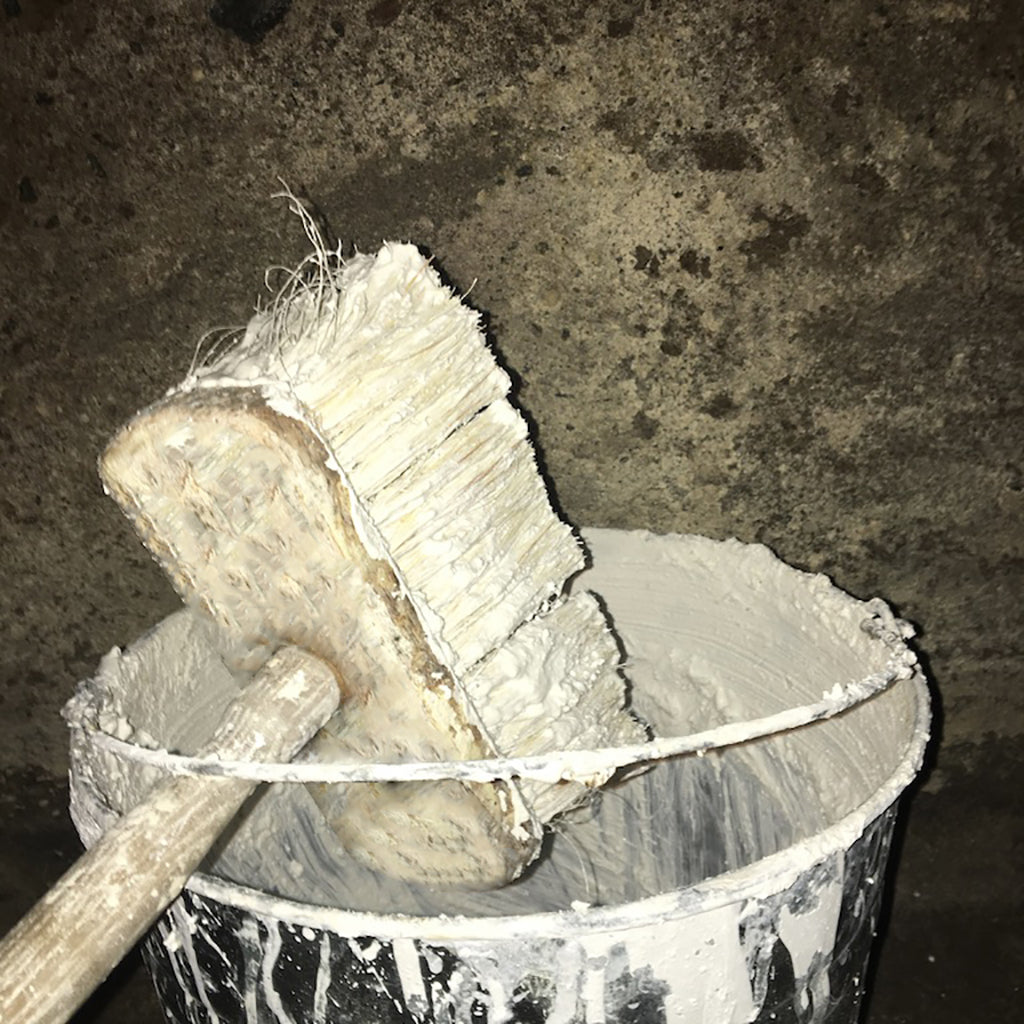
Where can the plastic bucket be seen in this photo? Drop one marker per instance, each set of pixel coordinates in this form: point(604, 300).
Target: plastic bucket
point(741, 885)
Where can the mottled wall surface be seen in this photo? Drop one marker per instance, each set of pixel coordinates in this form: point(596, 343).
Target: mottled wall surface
point(759, 267)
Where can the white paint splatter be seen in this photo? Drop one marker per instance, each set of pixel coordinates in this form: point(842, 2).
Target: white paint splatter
point(593, 991)
point(323, 980)
point(809, 935)
point(249, 939)
point(169, 930)
point(185, 925)
point(410, 976)
point(271, 996)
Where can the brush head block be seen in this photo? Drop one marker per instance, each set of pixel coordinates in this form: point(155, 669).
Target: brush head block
point(350, 478)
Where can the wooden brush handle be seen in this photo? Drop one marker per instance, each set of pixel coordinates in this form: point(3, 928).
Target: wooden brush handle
point(75, 935)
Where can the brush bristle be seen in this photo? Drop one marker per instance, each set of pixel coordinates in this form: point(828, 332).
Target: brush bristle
point(350, 477)
point(556, 684)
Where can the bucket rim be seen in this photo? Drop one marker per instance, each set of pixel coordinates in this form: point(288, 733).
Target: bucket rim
point(763, 877)
point(563, 764)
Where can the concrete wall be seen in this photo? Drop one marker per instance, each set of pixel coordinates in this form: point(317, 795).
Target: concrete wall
point(758, 267)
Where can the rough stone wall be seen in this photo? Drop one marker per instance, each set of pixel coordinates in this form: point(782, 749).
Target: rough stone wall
point(757, 265)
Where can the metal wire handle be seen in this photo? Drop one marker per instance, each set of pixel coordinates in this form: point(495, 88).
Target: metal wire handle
point(558, 765)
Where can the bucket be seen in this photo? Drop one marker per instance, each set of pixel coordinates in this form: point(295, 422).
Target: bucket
point(738, 882)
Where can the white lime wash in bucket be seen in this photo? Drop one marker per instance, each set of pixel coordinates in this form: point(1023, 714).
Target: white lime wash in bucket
point(737, 886)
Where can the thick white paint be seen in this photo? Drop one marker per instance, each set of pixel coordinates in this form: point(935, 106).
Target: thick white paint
point(713, 631)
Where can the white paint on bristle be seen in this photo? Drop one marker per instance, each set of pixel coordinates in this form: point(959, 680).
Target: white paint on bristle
point(393, 419)
point(392, 373)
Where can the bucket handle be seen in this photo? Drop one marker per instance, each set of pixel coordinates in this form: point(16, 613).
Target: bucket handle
point(558, 765)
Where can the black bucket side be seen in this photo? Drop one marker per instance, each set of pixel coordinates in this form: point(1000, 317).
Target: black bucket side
point(212, 961)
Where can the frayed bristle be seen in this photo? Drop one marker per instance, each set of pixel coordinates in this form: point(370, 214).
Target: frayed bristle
point(350, 476)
